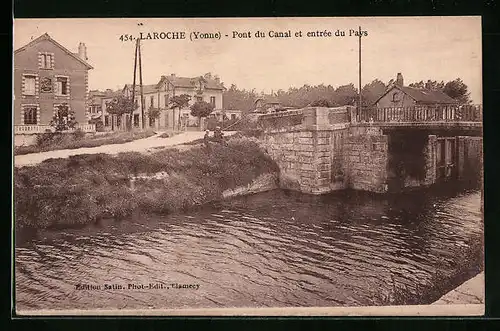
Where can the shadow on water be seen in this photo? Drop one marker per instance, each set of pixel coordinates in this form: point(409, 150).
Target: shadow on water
point(278, 248)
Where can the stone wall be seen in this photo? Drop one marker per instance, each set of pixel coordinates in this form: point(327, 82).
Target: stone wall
point(309, 161)
point(430, 161)
point(470, 163)
point(366, 159)
point(307, 146)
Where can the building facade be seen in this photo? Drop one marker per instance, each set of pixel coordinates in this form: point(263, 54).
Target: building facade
point(158, 97)
point(46, 75)
point(398, 95)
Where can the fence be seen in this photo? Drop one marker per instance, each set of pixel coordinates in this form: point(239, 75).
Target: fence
point(465, 113)
point(34, 129)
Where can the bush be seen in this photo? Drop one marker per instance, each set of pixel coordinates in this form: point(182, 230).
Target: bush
point(78, 134)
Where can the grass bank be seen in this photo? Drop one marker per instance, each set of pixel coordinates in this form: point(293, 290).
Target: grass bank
point(83, 189)
point(53, 141)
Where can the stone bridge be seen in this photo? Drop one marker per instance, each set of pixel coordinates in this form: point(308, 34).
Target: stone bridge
point(320, 150)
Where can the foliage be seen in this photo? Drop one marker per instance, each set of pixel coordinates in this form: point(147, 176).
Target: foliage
point(99, 126)
point(430, 85)
point(153, 112)
point(63, 119)
point(179, 101)
point(201, 109)
point(120, 105)
point(321, 103)
point(84, 188)
point(78, 134)
point(234, 98)
point(372, 91)
point(457, 90)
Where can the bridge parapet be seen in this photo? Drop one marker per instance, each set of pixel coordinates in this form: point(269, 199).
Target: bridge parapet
point(309, 118)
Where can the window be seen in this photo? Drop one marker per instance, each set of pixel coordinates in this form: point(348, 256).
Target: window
point(30, 115)
point(199, 99)
point(106, 120)
point(136, 120)
point(29, 85)
point(212, 101)
point(233, 116)
point(62, 86)
point(152, 99)
point(395, 97)
point(46, 60)
point(166, 100)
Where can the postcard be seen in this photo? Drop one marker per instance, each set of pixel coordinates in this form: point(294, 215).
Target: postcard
point(299, 166)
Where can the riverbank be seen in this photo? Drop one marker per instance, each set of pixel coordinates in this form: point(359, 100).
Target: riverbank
point(470, 292)
point(85, 189)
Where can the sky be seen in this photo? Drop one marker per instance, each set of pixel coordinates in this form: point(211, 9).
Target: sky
point(421, 48)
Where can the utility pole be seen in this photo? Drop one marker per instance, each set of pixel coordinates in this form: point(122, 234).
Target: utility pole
point(359, 82)
point(133, 83)
point(140, 81)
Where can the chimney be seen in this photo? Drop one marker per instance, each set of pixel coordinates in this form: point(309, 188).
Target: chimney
point(217, 79)
point(82, 51)
point(399, 79)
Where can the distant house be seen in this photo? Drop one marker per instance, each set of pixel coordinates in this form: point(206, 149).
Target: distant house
point(46, 75)
point(230, 114)
point(159, 96)
point(398, 95)
point(267, 105)
point(201, 88)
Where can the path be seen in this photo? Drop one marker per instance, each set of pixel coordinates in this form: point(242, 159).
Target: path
point(470, 292)
point(139, 145)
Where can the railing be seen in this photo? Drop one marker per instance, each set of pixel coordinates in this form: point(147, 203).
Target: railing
point(35, 129)
point(465, 113)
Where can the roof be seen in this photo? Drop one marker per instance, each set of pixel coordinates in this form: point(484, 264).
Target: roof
point(150, 88)
point(268, 100)
point(46, 36)
point(190, 82)
point(423, 95)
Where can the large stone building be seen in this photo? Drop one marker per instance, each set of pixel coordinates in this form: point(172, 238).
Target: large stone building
point(159, 95)
point(46, 75)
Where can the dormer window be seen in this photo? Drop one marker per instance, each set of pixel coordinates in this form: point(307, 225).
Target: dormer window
point(395, 97)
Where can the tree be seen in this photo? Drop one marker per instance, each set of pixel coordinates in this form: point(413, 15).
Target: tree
point(153, 112)
point(201, 109)
point(321, 103)
point(121, 105)
point(179, 101)
point(372, 91)
point(63, 119)
point(457, 90)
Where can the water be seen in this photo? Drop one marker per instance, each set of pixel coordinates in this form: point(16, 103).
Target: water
point(271, 249)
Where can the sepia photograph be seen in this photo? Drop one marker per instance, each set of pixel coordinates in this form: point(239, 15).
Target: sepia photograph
point(286, 166)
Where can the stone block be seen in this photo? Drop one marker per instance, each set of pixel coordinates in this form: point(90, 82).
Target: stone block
point(306, 141)
point(306, 166)
point(323, 141)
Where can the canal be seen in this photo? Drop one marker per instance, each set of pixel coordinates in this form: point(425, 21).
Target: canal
point(271, 249)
